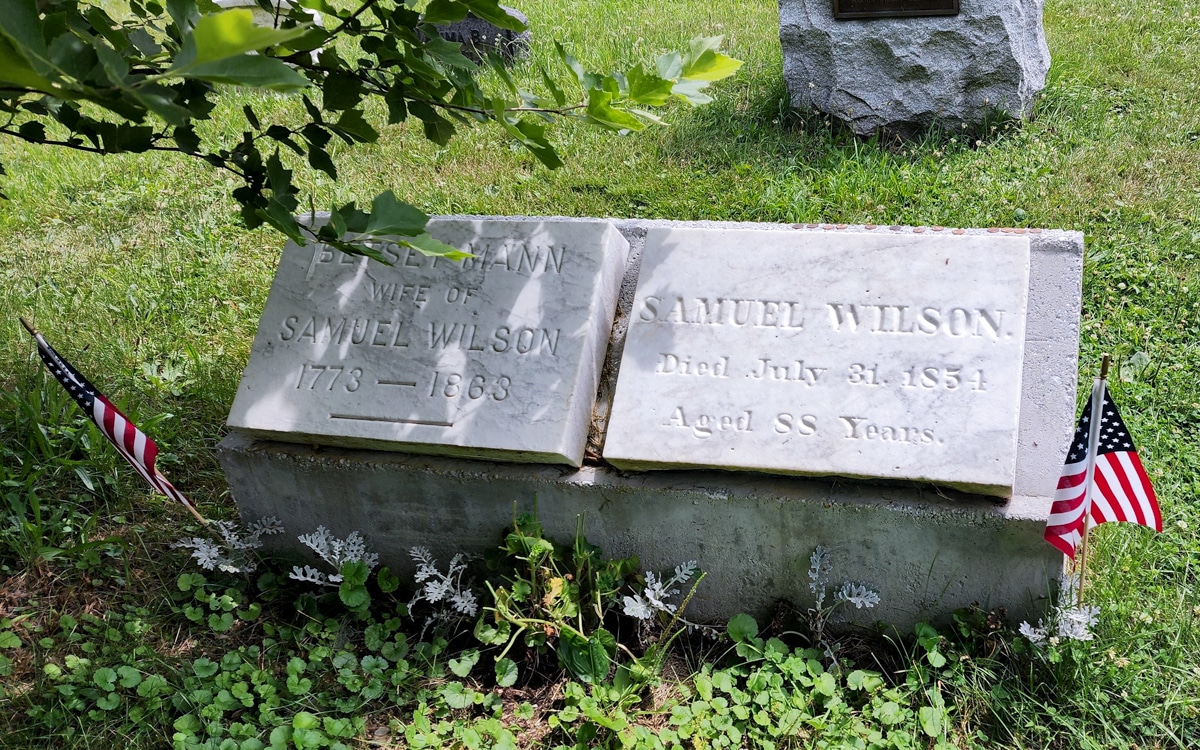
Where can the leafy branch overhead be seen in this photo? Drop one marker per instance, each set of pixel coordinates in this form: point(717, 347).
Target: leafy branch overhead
point(137, 75)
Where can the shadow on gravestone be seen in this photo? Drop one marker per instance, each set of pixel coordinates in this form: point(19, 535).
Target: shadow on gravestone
point(494, 356)
point(479, 38)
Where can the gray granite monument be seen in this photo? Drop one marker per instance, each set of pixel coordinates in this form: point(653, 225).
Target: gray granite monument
point(904, 74)
point(479, 38)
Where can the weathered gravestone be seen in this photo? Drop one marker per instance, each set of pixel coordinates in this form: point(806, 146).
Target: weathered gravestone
point(890, 364)
point(479, 38)
point(435, 356)
point(858, 354)
point(887, 65)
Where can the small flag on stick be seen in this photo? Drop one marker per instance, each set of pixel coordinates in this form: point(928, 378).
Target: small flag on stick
point(139, 450)
point(1103, 479)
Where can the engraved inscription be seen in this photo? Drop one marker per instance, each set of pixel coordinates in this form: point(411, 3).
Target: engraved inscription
point(720, 311)
point(495, 353)
point(705, 425)
point(862, 354)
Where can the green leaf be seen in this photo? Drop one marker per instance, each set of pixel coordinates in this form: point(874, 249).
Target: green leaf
point(601, 112)
point(396, 103)
point(647, 88)
point(741, 628)
point(532, 135)
point(387, 580)
point(130, 677)
point(353, 591)
point(448, 53)
point(355, 572)
point(188, 724)
point(341, 91)
point(281, 737)
point(153, 685)
point(15, 69)
point(24, 31)
point(437, 128)
point(457, 696)
point(305, 720)
point(160, 101)
point(932, 720)
point(559, 98)
point(105, 678)
point(862, 680)
point(462, 666)
point(249, 70)
point(108, 702)
point(228, 34)
point(353, 124)
point(587, 659)
point(492, 12)
point(204, 668)
point(492, 635)
point(669, 65)
point(825, 684)
point(572, 64)
point(506, 672)
point(690, 91)
point(936, 659)
point(445, 11)
point(427, 245)
point(389, 215)
point(704, 61)
point(9, 639)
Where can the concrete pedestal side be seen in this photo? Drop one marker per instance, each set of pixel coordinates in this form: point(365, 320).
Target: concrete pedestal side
point(927, 550)
point(926, 553)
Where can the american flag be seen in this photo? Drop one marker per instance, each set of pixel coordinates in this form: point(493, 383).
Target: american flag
point(1120, 489)
point(139, 450)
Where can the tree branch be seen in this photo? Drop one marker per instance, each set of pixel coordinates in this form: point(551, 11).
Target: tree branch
point(361, 9)
point(225, 164)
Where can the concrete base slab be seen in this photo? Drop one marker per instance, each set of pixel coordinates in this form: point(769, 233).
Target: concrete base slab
point(926, 552)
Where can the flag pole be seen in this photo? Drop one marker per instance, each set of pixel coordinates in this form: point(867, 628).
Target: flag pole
point(1089, 478)
point(158, 474)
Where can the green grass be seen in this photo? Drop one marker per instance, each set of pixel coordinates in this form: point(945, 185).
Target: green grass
point(136, 270)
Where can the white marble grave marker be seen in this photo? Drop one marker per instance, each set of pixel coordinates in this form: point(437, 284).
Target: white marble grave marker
point(497, 356)
point(861, 354)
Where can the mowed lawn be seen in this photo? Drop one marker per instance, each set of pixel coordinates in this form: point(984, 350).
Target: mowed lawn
point(136, 269)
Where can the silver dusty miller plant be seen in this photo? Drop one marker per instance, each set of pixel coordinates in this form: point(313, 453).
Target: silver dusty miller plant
point(235, 552)
point(1065, 622)
point(654, 599)
point(445, 592)
point(862, 596)
point(334, 552)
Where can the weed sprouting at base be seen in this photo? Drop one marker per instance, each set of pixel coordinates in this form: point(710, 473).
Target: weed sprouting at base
point(653, 601)
point(861, 595)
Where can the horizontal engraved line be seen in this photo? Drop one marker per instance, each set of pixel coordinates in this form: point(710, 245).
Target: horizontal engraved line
point(391, 419)
point(409, 383)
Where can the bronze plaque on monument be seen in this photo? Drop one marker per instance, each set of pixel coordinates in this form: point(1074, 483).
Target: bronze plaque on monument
point(849, 9)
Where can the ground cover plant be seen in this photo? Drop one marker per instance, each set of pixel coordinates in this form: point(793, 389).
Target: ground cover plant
point(110, 636)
